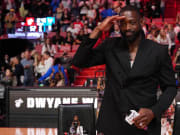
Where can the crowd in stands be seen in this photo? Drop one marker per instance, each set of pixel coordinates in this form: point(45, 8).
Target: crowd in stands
point(49, 64)
point(90, 12)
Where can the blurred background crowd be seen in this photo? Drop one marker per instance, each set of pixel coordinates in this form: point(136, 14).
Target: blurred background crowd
point(48, 62)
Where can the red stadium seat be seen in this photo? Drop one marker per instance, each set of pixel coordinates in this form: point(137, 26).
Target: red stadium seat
point(157, 21)
point(74, 48)
point(59, 54)
point(65, 48)
point(38, 48)
point(170, 20)
point(71, 54)
point(56, 47)
point(63, 34)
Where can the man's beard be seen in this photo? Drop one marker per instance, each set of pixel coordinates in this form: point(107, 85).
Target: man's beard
point(132, 37)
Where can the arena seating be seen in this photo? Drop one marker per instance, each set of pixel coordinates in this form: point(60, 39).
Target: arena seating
point(88, 73)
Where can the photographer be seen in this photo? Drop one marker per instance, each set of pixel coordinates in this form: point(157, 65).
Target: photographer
point(75, 128)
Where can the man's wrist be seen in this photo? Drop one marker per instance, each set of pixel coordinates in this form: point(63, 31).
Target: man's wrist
point(96, 33)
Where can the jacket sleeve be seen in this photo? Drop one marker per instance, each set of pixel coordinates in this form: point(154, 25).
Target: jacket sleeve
point(87, 56)
point(167, 83)
point(47, 74)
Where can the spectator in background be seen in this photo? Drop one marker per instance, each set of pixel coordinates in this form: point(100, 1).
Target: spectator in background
point(84, 19)
point(83, 5)
point(176, 62)
point(80, 37)
point(116, 31)
point(59, 14)
point(78, 25)
point(163, 38)
point(22, 56)
point(66, 19)
point(8, 78)
point(48, 60)
point(57, 81)
point(50, 47)
point(155, 11)
point(69, 39)
point(162, 6)
point(10, 4)
point(172, 36)
point(18, 70)
point(75, 8)
point(91, 23)
point(6, 61)
point(110, 12)
point(152, 35)
point(91, 13)
point(55, 68)
point(100, 87)
point(27, 63)
point(177, 28)
point(73, 31)
point(39, 66)
point(10, 21)
point(66, 63)
point(66, 4)
point(32, 7)
point(46, 46)
point(86, 30)
point(22, 10)
point(43, 8)
point(178, 18)
point(135, 3)
point(145, 27)
point(115, 10)
point(58, 39)
point(54, 4)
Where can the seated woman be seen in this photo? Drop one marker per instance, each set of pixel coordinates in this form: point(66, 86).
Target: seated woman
point(57, 81)
point(56, 68)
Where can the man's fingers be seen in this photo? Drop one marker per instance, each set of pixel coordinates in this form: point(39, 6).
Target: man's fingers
point(120, 17)
point(144, 120)
point(141, 125)
point(139, 117)
point(116, 18)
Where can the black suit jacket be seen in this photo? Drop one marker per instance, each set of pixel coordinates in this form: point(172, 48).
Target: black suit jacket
point(130, 88)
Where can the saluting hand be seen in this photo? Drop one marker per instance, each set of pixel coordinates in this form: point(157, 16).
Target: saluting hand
point(105, 25)
point(109, 21)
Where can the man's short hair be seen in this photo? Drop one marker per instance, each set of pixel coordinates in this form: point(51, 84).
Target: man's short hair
point(130, 8)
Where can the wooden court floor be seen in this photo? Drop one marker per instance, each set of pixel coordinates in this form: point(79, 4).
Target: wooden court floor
point(28, 131)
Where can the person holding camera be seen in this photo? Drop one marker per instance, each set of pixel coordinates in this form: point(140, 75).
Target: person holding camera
point(75, 128)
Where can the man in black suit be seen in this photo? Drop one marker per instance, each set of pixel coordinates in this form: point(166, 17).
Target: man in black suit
point(135, 67)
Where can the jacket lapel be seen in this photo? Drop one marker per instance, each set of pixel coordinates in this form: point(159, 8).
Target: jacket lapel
point(121, 53)
point(139, 57)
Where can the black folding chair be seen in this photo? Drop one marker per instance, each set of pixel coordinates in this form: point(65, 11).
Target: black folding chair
point(86, 115)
